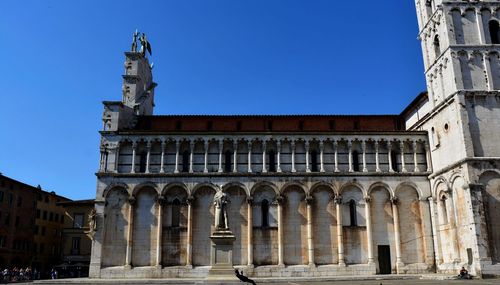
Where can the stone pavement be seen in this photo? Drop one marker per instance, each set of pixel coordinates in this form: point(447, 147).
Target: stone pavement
point(361, 280)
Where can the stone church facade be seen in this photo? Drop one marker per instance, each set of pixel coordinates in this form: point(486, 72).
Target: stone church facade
point(413, 193)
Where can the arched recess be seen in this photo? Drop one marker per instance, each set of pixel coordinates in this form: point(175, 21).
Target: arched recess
point(237, 212)
point(145, 227)
point(116, 226)
point(203, 224)
point(355, 238)
point(463, 215)
point(410, 225)
point(265, 232)
point(445, 232)
point(494, 30)
point(294, 225)
point(491, 200)
point(174, 225)
point(324, 225)
point(382, 225)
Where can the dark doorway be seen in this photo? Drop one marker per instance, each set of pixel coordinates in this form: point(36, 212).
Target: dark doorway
point(384, 259)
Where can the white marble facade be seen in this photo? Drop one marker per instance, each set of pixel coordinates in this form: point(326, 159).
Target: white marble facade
point(419, 199)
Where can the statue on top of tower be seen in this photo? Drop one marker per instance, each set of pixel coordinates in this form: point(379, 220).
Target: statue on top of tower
point(134, 41)
point(145, 45)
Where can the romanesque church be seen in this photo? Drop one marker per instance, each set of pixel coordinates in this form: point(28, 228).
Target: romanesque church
point(411, 193)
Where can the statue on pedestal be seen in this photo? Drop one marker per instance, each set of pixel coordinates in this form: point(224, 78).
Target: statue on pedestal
point(220, 202)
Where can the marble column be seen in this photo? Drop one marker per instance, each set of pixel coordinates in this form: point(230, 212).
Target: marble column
point(389, 156)
point(189, 246)
point(335, 156)
point(278, 150)
point(128, 256)
point(117, 157)
point(480, 28)
point(321, 154)
point(221, 146)
point(363, 147)
point(377, 162)
point(235, 156)
point(310, 237)
point(148, 155)
point(369, 234)
point(162, 159)
point(397, 239)
point(435, 233)
point(402, 146)
point(159, 234)
point(134, 149)
point(249, 156)
point(428, 159)
point(306, 144)
point(487, 70)
point(206, 144)
point(177, 145)
point(415, 157)
point(349, 147)
point(250, 232)
point(280, 201)
point(292, 145)
point(340, 234)
point(264, 146)
point(191, 155)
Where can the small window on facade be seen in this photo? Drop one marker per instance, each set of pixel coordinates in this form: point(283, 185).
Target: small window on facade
point(210, 125)
point(332, 125)
point(355, 160)
point(352, 213)
point(269, 125)
point(78, 220)
point(356, 125)
point(178, 125)
point(437, 46)
point(494, 32)
point(265, 213)
point(75, 245)
point(314, 161)
point(272, 161)
point(142, 162)
point(301, 125)
point(227, 161)
point(185, 161)
point(176, 213)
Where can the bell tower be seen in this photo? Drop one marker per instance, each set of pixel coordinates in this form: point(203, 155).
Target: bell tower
point(461, 112)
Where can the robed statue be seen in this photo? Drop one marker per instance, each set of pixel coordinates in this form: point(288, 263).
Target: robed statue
point(145, 45)
point(220, 202)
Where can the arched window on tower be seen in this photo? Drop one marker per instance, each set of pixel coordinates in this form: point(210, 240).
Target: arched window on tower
point(314, 161)
point(437, 47)
point(352, 213)
point(444, 209)
point(227, 161)
point(494, 32)
point(264, 207)
point(176, 213)
point(355, 160)
point(185, 161)
point(394, 160)
point(272, 161)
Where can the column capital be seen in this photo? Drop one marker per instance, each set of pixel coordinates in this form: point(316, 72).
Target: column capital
point(337, 199)
point(402, 145)
point(250, 200)
point(292, 144)
point(335, 143)
point(278, 144)
point(249, 143)
point(309, 199)
point(376, 145)
point(430, 199)
point(131, 200)
point(221, 144)
point(349, 143)
point(363, 145)
point(148, 144)
point(264, 144)
point(367, 199)
point(235, 144)
point(306, 144)
point(321, 145)
point(163, 144)
point(414, 144)
point(162, 200)
point(206, 143)
point(394, 200)
point(177, 143)
point(191, 144)
point(190, 200)
point(134, 144)
point(280, 199)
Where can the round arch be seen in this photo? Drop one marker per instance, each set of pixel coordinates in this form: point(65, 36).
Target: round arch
point(321, 184)
point(352, 184)
point(291, 184)
point(203, 185)
point(408, 184)
point(141, 186)
point(381, 185)
point(264, 184)
point(235, 184)
point(173, 185)
point(124, 187)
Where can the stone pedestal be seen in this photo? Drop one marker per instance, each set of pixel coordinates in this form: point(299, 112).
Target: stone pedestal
point(221, 256)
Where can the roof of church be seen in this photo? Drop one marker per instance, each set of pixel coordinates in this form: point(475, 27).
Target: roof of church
point(269, 123)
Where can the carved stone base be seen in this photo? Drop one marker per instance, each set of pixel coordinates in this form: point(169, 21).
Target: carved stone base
point(222, 256)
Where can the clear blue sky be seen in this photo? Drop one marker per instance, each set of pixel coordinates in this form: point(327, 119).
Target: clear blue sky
point(60, 59)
